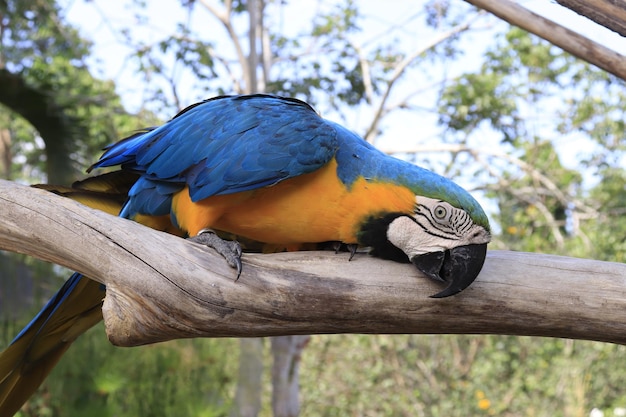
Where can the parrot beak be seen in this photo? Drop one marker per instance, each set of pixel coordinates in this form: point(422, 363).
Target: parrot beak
point(458, 267)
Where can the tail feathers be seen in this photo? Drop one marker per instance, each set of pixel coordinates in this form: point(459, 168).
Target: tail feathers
point(21, 382)
point(114, 182)
point(36, 349)
point(106, 192)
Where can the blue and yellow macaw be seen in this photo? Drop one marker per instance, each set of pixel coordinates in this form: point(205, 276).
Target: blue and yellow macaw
point(269, 170)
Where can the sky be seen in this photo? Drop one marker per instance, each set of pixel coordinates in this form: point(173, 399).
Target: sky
point(102, 22)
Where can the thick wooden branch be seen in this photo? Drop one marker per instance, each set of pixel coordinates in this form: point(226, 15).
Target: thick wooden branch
point(570, 41)
point(161, 287)
point(608, 13)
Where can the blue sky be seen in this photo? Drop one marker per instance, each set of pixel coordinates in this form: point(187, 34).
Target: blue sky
point(102, 22)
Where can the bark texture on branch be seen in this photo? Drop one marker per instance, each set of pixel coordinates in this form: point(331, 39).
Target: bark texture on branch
point(608, 13)
point(161, 287)
point(568, 40)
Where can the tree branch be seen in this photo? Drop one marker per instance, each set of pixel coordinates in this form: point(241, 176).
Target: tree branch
point(608, 13)
point(566, 39)
point(403, 65)
point(225, 17)
point(160, 287)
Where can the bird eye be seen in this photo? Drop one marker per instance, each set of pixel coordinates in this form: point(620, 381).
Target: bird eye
point(440, 212)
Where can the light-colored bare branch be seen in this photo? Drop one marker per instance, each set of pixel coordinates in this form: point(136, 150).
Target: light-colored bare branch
point(365, 71)
point(266, 50)
point(224, 16)
point(254, 10)
point(401, 68)
point(229, 71)
point(161, 287)
point(567, 39)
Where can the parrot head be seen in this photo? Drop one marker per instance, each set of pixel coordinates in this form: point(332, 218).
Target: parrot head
point(446, 243)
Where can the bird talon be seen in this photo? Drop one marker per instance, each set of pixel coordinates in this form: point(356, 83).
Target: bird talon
point(336, 246)
point(352, 247)
point(229, 249)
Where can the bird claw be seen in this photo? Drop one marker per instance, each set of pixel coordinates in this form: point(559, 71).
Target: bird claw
point(229, 249)
point(352, 247)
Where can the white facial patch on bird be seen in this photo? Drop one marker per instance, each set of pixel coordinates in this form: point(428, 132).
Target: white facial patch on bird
point(435, 226)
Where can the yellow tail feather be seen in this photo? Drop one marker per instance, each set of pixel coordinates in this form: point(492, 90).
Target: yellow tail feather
point(74, 309)
point(27, 361)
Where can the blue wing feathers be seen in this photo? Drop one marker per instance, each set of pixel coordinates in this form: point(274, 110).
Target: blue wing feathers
point(224, 145)
point(232, 144)
point(147, 196)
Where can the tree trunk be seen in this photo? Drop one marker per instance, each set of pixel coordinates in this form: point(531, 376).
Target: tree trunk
point(285, 383)
point(5, 154)
point(286, 352)
point(249, 383)
point(48, 117)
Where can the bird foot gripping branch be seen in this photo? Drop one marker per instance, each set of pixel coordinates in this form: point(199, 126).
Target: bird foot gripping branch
point(271, 170)
point(229, 249)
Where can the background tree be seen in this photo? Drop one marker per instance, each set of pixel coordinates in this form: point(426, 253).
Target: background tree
point(54, 118)
point(509, 129)
point(44, 78)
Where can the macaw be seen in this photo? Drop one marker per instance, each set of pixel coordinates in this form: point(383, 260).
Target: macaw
point(267, 169)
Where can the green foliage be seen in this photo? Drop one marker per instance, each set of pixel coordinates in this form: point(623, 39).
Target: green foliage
point(340, 77)
point(32, 29)
point(530, 94)
point(481, 98)
point(412, 375)
point(387, 375)
point(48, 55)
point(27, 159)
point(518, 71)
point(536, 221)
point(95, 379)
point(606, 231)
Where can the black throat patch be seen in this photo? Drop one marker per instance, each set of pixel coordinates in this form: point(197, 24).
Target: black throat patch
point(373, 233)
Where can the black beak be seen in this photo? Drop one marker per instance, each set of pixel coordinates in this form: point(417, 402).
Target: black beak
point(459, 267)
